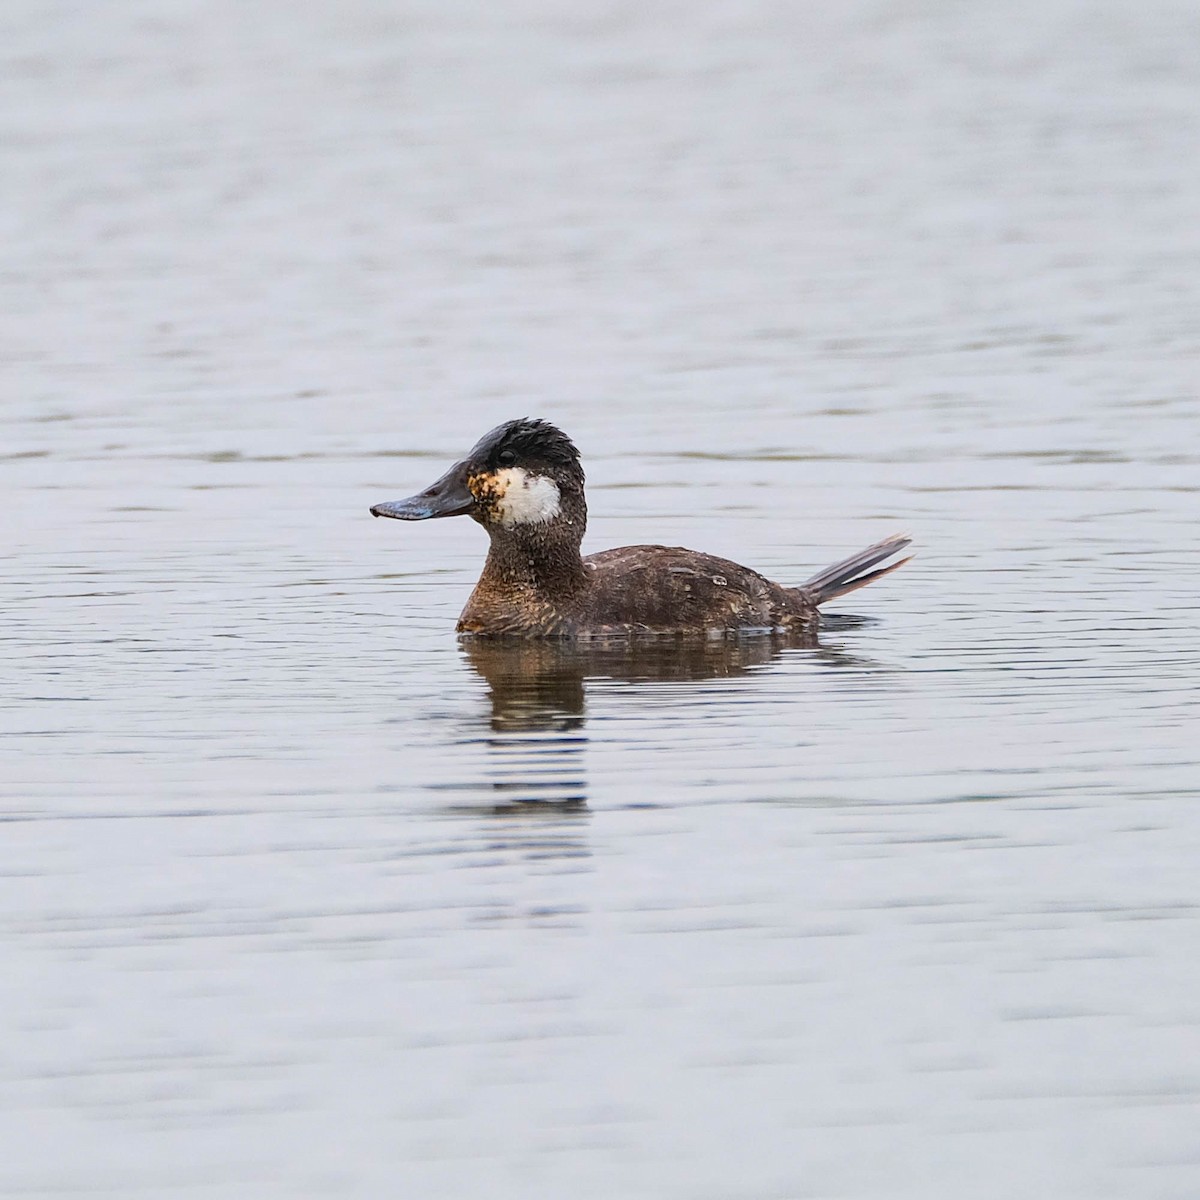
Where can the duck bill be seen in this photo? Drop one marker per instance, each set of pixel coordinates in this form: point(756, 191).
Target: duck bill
point(449, 497)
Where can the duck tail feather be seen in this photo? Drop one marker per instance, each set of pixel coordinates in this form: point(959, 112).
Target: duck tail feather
point(855, 572)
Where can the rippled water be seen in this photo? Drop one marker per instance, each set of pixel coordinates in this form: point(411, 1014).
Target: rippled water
point(302, 898)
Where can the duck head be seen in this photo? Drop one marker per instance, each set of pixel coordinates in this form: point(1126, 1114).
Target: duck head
point(523, 478)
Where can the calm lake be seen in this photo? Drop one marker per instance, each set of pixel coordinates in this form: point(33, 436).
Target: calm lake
point(300, 897)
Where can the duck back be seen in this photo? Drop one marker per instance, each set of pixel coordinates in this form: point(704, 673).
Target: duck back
point(663, 589)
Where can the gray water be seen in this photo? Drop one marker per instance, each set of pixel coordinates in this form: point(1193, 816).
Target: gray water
point(300, 898)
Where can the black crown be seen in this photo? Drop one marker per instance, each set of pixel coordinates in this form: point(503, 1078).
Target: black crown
point(529, 440)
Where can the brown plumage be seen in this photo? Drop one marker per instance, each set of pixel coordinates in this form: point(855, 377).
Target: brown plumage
point(524, 483)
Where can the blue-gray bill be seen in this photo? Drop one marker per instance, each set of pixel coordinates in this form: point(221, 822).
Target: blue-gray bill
point(448, 497)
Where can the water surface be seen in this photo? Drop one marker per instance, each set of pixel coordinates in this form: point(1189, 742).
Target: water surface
point(300, 897)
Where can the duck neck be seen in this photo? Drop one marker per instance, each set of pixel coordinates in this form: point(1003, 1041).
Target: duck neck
point(543, 558)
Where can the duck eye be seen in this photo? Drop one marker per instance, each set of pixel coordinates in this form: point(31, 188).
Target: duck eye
point(506, 458)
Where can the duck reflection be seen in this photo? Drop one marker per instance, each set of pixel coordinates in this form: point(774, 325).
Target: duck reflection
point(538, 694)
point(536, 743)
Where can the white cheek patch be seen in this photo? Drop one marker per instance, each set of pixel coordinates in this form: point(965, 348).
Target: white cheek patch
point(526, 499)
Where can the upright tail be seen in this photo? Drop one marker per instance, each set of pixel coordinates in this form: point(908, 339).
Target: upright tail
point(847, 575)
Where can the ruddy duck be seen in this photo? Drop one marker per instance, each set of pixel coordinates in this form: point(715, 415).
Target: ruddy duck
point(523, 483)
